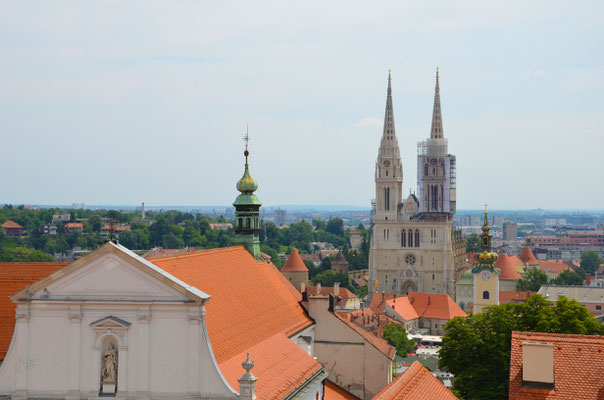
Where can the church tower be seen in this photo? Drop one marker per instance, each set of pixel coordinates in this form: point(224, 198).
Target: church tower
point(247, 211)
point(388, 167)
point(486, 276)
point(435, 167)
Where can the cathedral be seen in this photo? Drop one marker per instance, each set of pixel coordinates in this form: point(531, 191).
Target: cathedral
point(415, 246)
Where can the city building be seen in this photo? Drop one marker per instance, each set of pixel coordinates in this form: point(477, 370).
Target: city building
point(592, 297)
point(72, 227)
point(295, 270)
point(61, 217)
point(48, 229)
point(556, 366)
point(415, 383)
point(486, 275)
point(415, 246)
point(569, 244)
point(280, 217)
point(13, 229)
point(343, 299)
point(510, 231)
point(339, 265)
point(356, 240)
point(112, 230)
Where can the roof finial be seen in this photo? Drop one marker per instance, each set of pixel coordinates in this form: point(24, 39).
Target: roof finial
point(246, 139)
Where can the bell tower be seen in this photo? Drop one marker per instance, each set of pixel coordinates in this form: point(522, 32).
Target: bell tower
point(388, 167)
point(247, 210)
point(486, 276)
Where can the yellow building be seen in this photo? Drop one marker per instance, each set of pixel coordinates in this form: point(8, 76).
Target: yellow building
point(486, 276)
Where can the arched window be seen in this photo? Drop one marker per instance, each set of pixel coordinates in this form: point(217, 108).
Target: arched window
point(241, 222)
point(425, 169)
point(417, 238)
point(387, 199)
point(247, 223)
point(403, 238)
point(485, 295)
point(410, 237)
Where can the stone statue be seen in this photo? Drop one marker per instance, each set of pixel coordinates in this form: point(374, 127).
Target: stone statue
point(109, 372)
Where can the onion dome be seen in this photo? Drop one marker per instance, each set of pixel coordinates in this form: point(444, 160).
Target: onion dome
point(487, 257)
point(247, 184)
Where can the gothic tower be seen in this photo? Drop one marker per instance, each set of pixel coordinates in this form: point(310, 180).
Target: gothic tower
point(388, 167)
point(435, 167)
point(247, 212)
point(486, 276)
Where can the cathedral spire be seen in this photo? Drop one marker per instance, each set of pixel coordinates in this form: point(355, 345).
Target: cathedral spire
point(437, 120)
point(389, 114)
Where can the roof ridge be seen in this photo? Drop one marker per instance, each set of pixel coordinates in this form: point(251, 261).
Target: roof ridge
point(202, 251)
point(560, 335)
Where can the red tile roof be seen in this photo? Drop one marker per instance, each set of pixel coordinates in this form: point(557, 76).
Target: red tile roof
point(334, 392)
point(507, 264)
point(341, 299)
point(552, 266)
point(157, 253)
point(11, 224)
point(403, 307)
point(416, 383)
point(378, 302)
point(514, 296)
point(527, 256)
point(379, 343)
point(578, 367)
point(115, 228)
point(435, 305)
point(294, 263)
point(311, 257)
point(241, 318)
point(74, 225)
point(13, 278)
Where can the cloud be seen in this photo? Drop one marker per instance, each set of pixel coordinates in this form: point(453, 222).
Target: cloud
point(371, 121)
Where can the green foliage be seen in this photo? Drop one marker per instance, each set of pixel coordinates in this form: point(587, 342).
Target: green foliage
point(361, 292)
point(533, 280)
point(590, 261)
point(568, 277)
point(397, 337)
point(22, 254)
point(328, 278)
point(473, 243)
point(476, 349)
point(335, 226)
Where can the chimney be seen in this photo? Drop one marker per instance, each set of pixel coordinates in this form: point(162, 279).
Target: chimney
point(538, 364)
point(318, 287)
point(587, 279)
point(302, 287)
point(336, 289)
point(428, 300)
point(247, 383)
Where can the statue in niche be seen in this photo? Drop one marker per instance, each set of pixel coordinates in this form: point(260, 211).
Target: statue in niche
point(109, 372)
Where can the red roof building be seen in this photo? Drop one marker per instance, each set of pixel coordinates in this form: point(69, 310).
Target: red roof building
point(507, 264)
point(528, 257)
point(295, 270)
point(12, 229)
point(556, 366)
point(344, 298)
point(514, 296)
point(74, 227)
point(416, 383)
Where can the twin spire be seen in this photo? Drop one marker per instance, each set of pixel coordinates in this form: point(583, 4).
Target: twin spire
point(389, 133)
point(437, 119)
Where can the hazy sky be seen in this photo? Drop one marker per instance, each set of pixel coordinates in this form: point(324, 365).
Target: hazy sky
point(120, 102)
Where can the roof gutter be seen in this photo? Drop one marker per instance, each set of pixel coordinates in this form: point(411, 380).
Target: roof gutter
point(301, 391)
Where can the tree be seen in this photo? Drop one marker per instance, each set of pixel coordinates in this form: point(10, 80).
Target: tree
point(476, 349)
point(129, 239)
point(590, 261)
point(473, 243)
point(397, 337)
point(171, 241)
point(534, 279)
point(22, 254)
point(361, 292)
point(335, 226)
point(568, 277)
point(95, 222)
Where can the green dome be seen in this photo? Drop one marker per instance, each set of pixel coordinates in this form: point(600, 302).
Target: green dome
point(247, 184)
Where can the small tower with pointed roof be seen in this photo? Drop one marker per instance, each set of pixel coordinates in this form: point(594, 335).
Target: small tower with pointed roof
point(486, 275)
point(295, 270)
point(247, 211)
point(339, 265)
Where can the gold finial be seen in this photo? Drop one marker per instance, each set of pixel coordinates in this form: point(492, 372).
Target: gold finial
point(389, 71)
point(246, 139)
point(485, 207)
point(436, 70)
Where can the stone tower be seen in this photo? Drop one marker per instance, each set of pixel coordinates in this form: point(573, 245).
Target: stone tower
point(435, 167)
point(388, 167)
point(295, 270)
point(247, 212)
point(486, 276)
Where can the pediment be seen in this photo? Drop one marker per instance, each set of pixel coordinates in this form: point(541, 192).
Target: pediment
point(111, 273)
point(110, 322)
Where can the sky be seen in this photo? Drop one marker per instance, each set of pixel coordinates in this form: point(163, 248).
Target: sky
point(120, 102)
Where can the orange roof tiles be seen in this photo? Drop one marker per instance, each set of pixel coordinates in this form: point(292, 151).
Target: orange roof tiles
point(378, 302)
point(403, 307)
point(13, 278)
point(115, 228)
point(435, 305)
point(527, 256)
point(74, 225)
point(242, 318)
point(334, 392)
point(416, 383)
point(294, 263)
point(578, 367)
point(379, 343)
point(551, 266)
point(507, 264)
point(11, 224)
point(514, 296)
point(341, 299)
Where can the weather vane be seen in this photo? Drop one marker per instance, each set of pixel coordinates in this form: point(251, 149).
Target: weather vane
point(246, 138)
point(485, 207)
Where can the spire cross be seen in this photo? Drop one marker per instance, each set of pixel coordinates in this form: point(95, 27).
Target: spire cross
point(485, 207)
point(246, 139)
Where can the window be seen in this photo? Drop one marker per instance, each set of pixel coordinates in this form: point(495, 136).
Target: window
point(386, 172)
point(387, 199)
point(410, 238)
point(403, 238)
point(417, 238)
point(598, 307)
point(247, 223)
point(425, 169)
point(485, 295)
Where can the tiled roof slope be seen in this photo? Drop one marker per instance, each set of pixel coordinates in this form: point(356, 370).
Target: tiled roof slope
point(507, 264)
point(527, 256)
point(514, 296)
point(11, 224)
point(379, 343)
point(294, 263)
point(435, 305)
point(416, 383)
point(378, 302)
point(334, 392)
point(551, 266)
point(578, 367)
point(403, 307)
point(13, 278)
point(341, 299)
point(242, 318)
